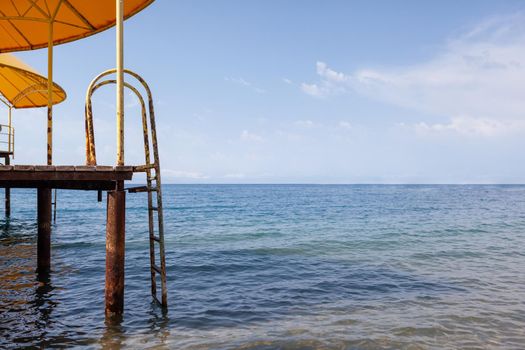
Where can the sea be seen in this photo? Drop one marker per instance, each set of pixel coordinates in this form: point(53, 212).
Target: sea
point(278, 267)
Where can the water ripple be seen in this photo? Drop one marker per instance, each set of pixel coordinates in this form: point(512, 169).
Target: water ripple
point(279, 267)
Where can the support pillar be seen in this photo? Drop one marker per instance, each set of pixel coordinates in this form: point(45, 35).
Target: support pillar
point(115, 248)
point(7, 192)
point(7, 202)
point(44, 230)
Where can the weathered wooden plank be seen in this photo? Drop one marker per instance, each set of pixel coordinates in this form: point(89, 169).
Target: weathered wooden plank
point(64, 185)
point(45, 168)
point(65, 175)
point(85, 168)
point(104, 168)
point(24, 168)
point(65, 168)
point(124, 168)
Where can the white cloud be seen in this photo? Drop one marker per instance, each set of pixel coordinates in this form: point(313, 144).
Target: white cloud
point(313, 90)
point(332, 82)
point(248, 136)
point(476, 80)
point(330, 75)
point(287, 81)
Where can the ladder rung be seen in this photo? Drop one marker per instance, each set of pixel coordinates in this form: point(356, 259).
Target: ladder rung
point(156, 268)
point(137, 189)
point(155, 238)
point(141, 189)
point(141, 168)
point(154, 208)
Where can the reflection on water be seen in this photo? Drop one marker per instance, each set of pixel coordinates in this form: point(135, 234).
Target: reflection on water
point(279, 267)
point(26, 298)
point(113, 337)
point(43, 303)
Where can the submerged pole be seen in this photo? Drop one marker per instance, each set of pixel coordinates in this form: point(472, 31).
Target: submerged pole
point(7, 193)
point(120, 81)
point(115, 248)
point(44, 230)
point(7, 202)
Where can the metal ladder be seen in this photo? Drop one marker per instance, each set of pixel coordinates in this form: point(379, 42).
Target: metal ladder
point(156, 232)
point(153, 179)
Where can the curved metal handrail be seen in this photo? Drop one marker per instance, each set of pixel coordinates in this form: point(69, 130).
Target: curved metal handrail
point(90, 139)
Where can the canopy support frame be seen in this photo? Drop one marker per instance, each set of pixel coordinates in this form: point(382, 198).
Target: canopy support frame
point(120, 81)
point(50, 94)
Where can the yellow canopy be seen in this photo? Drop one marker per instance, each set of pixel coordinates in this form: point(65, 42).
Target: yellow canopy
point(22, 87)
point(24, 24)
point(34, 24)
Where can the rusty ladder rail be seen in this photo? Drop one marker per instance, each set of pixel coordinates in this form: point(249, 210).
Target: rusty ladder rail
point(153, 177)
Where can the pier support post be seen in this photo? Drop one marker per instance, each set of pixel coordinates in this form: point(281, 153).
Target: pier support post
point(44, 230)
point(115, 248)
point(7, 202)
point(7, 192)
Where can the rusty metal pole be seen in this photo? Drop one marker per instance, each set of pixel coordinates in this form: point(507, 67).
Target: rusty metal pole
point(7, 194)
point(115, 248)
point(44, 230)
point(7, 202)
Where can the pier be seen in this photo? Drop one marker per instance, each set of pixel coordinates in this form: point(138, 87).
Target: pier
point(77, 19)
point(44, 179)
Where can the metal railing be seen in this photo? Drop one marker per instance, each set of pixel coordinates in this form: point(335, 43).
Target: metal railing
point(7, 139)
point(151, 168)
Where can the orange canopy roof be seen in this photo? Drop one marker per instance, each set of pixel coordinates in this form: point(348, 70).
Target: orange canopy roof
point(22, 87)
point(24, 24)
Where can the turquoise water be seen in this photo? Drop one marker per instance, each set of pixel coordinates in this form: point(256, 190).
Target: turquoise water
point(279, 267)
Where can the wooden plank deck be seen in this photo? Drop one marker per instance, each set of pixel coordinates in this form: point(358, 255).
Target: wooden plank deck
point(78, 177)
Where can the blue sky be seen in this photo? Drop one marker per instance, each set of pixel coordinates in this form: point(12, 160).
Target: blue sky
point(306, 92)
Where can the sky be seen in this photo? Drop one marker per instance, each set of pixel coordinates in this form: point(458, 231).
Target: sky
point(302, 91)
